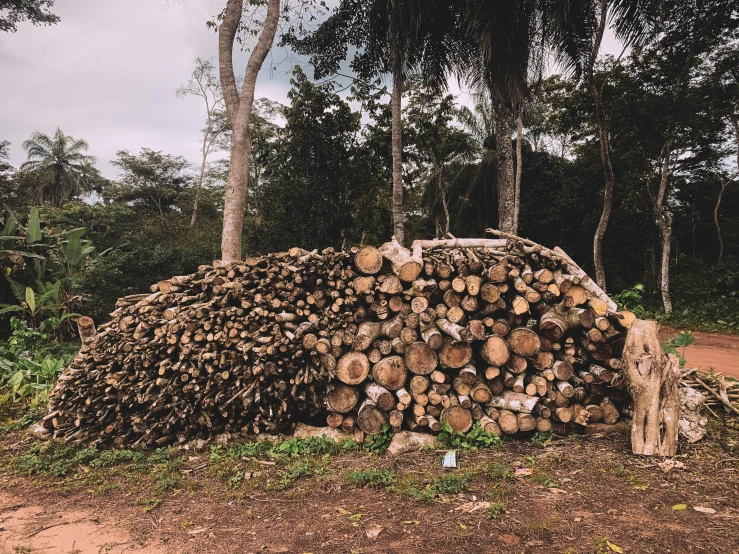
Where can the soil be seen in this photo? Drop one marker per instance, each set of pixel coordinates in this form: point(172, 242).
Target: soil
point(711, 350)
point(587, 494)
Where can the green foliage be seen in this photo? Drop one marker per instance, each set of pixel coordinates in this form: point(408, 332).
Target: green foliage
point(372, 477)
point(312, 446)
point(34, 11)
point(631, 299)
point(377, 444)
point(497, 471)
point(472, 440)
point(43, 270)
point(448, 484)
point(543, 439)
point(682, 340)
point(543, 478)
point(495, 510)
point(22, 373)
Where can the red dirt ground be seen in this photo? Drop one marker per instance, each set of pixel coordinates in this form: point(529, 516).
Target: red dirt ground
point(711, 350)
point(587, 495)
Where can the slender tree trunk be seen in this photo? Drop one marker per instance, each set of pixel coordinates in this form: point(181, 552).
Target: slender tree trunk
point(610, 179)
point(239, 108)
point(397, 148)
point(716, 223)
point(504, 166)
point(199, 184)
point(519, 168)
point(56, 194)
point(664, 224)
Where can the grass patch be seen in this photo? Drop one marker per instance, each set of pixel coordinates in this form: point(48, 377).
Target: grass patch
point(148, 504)
point(495, 510)
point(474, 439)
point(543, 478)
point(448, 484)
point(372, 477)
point(295, 470)
point(498, 472)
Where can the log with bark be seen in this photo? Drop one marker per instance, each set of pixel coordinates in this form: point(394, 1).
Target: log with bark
point(502, 332)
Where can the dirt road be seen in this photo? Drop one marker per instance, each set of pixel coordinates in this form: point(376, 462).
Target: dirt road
point(711, 350)
point(585, 494)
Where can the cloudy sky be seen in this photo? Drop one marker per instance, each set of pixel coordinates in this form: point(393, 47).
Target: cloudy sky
point(108, 73)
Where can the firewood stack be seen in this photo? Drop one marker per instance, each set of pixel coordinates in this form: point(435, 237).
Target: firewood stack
point(501, 331)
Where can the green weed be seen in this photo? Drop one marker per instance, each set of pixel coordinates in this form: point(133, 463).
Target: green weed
point(472, 440)
point(372, 477)
point(496, 510)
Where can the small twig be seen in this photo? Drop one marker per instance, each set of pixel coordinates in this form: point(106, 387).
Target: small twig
point(718, 396)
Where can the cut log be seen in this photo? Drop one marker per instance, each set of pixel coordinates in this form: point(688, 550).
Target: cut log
point(420, 359)
point(370, 419)
point(514, 402)
point(342, 398)
point(495, 351)
point(368, 261)
point(352, 368)
point(508, 422)
point(455, 354)
point(458, 418)
point(390, 372)
point(523, 341)
point(382, 397)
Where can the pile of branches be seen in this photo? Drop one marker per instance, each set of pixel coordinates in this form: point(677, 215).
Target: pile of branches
point(501, 331)
point(717, 391)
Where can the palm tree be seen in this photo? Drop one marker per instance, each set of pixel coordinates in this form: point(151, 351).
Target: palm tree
point(63, 158)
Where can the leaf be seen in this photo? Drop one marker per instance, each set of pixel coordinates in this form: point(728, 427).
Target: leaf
point(615, 547)
point(704, 510)
point(343, 512)
point(33, 233)
point(413, 522)
point(355, 518)
point(31, 299)
point(678, 507)
point(462, 526)
point(74, 249)
point(19, 291)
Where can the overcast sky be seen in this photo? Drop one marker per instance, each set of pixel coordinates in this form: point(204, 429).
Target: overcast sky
point(108, 73)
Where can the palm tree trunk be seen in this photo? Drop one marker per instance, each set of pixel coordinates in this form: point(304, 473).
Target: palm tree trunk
point(56, 194)
point(610, 179)
point(397, 149)
point(519, 168)
point(240, 114)
point(504, 166)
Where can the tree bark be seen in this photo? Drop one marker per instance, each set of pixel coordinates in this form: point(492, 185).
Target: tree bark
point(519, 169)
point(664, 224)
point(199, 185)
point(504, 166)
point(610, 179)
point(735, 123)
point(239, 108)
point(397, 150)
point(652, 379)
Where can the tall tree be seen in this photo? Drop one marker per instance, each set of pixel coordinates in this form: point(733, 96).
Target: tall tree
point(396, 37)
point(37, 12)
point(152, 180)
point(239, 109)
point(204, 84)
point(576, 32)
point(63, 158)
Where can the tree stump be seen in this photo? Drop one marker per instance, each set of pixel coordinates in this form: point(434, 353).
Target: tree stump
point(652, 379)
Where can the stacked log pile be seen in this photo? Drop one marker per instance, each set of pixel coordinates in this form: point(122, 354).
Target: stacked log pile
point(501, 331)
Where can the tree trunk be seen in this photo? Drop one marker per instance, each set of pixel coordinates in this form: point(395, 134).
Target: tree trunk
point(504, 166)
point(652, 379)
point(610, 179)
point(664, 224)
point(199, 184)
point(397, 149)
point(519, 168)
point(239, 110)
